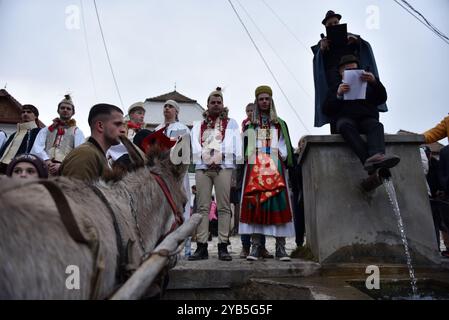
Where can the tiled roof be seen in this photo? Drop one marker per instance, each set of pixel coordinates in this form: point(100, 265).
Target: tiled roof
point(18, 106)
point(174, 95)
point(4, 93)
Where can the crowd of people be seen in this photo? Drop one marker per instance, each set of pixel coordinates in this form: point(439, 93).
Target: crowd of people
point(252, 166)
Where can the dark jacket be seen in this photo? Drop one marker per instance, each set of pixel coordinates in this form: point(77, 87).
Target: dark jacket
point(320, 75)
point(443, 169)
point(336, 108)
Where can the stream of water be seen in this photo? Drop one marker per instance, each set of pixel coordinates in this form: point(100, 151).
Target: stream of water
point(389, 187)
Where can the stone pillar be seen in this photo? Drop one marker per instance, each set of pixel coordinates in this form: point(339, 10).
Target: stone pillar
point(345, 224)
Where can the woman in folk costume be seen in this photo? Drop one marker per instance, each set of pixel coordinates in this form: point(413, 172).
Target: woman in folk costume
point(173, 129)
point(266, 207)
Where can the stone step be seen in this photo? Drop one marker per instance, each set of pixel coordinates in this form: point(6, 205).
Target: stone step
point(213, 273)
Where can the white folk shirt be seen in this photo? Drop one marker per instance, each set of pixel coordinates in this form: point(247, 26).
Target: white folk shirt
point(40, 142)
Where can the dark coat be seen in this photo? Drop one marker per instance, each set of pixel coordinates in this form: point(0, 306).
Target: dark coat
point(320, 75)
point(335, 108)
point(443, 170)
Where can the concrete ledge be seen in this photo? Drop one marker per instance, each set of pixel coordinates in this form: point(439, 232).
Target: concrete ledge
point(338, 139)
point(346, 224)
point(213, 273)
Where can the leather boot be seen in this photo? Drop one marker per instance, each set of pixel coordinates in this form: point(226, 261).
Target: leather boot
point(200, 252)
point(223, 253)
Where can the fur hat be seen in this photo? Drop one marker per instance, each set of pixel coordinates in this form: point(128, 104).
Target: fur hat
point(137, 105)
point(40, 165)
point(217, 92)
point(32, 108)
point(67, 99)
point(173, 104)
point(264, 89)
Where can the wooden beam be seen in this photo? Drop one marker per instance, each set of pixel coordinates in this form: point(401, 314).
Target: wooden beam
point(144, 276)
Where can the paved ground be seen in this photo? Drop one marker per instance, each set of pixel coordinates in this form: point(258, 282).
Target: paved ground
point(236, 246)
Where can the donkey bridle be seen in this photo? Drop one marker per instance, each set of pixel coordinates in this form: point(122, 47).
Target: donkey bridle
point(177, 214)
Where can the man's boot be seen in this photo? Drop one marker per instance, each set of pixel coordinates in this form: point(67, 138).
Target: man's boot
point(200, 252)
point(223, 253)
point(245, 252)
point(380, 160)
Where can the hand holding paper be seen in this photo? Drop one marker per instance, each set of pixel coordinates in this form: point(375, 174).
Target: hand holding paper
point(358, 87)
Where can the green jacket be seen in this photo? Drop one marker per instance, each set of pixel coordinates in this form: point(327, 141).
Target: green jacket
point(87, 162)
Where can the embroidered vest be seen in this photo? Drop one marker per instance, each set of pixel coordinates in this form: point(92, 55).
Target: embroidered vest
point(58, 147)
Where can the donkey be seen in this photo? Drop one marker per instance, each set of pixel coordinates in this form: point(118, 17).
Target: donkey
point(40, 256)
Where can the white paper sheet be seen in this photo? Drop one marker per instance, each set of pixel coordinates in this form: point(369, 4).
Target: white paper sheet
point(358, 87)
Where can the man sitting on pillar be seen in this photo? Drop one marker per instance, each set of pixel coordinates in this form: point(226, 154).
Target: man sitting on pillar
point(326, 57)
point(353, 117)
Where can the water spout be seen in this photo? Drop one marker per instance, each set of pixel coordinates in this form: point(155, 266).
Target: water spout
point(389, 187)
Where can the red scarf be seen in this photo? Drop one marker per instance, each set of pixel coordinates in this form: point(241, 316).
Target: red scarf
point(135, 126)
point(61, 125)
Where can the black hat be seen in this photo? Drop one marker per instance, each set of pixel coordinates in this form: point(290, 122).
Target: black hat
point(348, 59)
point(32, 108)
point(140, 136)
point(330, 14)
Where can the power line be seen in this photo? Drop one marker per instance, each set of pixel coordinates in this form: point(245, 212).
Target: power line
point(275, 52)
point(107, 54)
point(431, 25)
point(422, 19)
point(86, 41)
point(267, 65)
point(287, 27)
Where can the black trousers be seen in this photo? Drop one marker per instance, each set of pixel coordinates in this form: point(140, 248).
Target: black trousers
point(351, 129)
point(295, 176)
point(440, 214)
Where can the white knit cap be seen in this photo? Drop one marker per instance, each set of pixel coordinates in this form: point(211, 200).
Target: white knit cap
point(173, 104)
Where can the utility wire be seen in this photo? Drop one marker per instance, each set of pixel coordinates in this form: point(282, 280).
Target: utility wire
point(287, 27)
point(86, 41)
point(107, 54)
point(275, 52)
point(267, 65)
point(422, 19)
point(431, 25)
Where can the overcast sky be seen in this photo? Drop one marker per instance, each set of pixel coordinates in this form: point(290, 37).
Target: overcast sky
point(200, 44)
